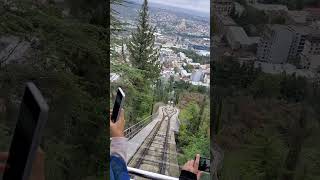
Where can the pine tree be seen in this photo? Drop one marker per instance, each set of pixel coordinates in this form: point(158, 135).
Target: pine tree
point(143, 54)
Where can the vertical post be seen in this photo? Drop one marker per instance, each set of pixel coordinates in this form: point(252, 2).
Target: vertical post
point(154, 88)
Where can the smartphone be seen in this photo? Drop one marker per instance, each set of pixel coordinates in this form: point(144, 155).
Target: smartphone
point(117, 105)
point(27, 134)
point(204, 164)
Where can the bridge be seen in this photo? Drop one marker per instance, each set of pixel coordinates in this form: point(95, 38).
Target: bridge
point(152, 148)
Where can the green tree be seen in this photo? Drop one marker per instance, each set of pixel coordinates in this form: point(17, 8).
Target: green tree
point(90, 11)
point(189, 116)
point(266, 85)
point(143, 54)
point(68, 63)
point(278, 20)
point(261, 156)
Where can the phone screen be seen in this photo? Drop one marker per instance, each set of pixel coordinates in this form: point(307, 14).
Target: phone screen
point(22, 138)
point(116, 107)
point(204, 164)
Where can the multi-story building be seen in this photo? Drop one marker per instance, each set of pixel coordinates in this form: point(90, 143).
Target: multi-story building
point(314, 14)
point(297, 17)
point(223, 7)
point(269, 8)
point(197, 75)
point(221, 23)
point(238, 39)
point(274, 45)
point(299, 35)
point(310, 56)
point(238, 9)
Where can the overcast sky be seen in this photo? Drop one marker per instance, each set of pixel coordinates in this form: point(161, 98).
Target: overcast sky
point(197, 5)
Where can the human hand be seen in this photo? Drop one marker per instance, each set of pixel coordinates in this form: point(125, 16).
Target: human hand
point(192, 166)
point(117, 128)
point(37, 172)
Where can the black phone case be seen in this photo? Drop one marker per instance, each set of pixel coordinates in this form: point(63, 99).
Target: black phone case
point(43, 116)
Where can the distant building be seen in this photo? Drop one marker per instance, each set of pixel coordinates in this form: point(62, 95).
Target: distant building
point(269, 8)
point(189, 60)
point(184, 73)
point(274, 45)
point(281, 43)
point(206, 79)
point(114, 77)
point(297, 17)
point(222, 23)
point(182, 26)
point(237, 38)
point(299, 34)
point(287, 68)
point(223, 7)
point(314, 14)
point(316, 25)
point(311, 52)
point(197, 75)
point(182, 55)
point(238, 9)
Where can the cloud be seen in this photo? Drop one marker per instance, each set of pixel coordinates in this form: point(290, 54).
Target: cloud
point(197, 5)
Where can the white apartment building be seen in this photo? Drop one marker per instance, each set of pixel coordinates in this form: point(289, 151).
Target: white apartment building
point(297, 17)
point(269, 8)
point(299, 34)
point(314, 14)
point(238, 39)
point(274, 45)
point(197, 75)
point(222, 23)
point(310, 56)
point(223, 7)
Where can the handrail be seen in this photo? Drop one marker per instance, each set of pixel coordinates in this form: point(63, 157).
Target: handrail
point(149, 175)
point(130, 132)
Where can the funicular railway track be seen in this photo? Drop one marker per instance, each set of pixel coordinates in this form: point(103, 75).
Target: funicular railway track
point(154, 152)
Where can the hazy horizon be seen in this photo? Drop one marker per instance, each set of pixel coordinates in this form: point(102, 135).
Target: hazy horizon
point(202, 6)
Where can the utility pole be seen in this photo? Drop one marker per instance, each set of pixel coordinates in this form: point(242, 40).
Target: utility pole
point(154, 89)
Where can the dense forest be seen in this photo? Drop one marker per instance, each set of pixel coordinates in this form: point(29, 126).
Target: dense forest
point(67, 59)
point(267, 125)
point(193, 137)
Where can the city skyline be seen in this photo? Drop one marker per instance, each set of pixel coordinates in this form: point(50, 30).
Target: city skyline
point(195, 5)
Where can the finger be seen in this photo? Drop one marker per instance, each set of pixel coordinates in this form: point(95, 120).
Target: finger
point(199, 175)
point(122, 114)
point(196, 163)
point(112, 125)
point(185, 166)
point(40, 152)
point(4, 156)
point(192, 163)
